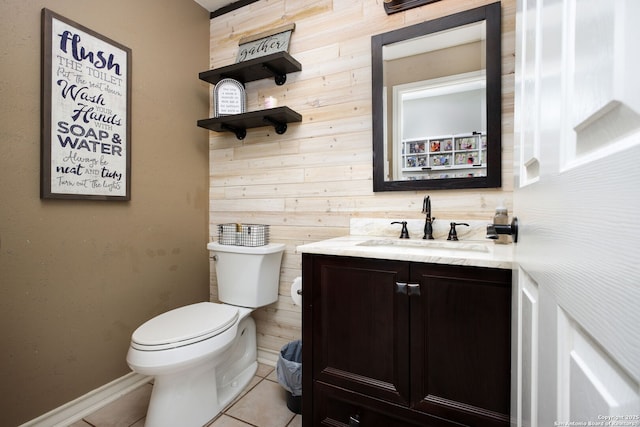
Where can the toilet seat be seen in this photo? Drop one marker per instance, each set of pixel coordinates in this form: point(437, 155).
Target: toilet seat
point(184, 326)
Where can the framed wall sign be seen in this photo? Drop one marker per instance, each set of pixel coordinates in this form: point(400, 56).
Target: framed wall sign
point(265, 43)
point(229, 98)
point(86, 109)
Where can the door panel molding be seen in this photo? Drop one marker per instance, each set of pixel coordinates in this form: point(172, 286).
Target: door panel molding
point(525, 407)
point(586, 370)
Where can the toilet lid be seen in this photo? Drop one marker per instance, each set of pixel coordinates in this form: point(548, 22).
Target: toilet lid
point(184, 325)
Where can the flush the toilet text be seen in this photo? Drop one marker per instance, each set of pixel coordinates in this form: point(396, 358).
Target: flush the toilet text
point(89, 146)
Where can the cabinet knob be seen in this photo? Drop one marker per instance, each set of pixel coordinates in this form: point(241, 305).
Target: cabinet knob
point(413, 289)
point(409, 289)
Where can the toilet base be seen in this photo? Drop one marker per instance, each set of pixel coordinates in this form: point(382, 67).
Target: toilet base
point(193, 397)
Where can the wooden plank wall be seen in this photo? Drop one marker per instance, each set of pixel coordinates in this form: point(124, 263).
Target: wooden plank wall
point(309, 182)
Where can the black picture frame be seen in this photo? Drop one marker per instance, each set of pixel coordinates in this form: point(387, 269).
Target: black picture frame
point(85, 113)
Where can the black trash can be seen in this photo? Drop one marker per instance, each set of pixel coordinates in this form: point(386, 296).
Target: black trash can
point(289, 373)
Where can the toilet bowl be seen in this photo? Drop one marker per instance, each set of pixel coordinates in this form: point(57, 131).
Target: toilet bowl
point(203, 355)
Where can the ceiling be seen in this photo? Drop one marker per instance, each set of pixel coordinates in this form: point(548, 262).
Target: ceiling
point(212, 5)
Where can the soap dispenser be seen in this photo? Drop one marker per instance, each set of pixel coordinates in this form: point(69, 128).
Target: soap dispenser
point(501, 217)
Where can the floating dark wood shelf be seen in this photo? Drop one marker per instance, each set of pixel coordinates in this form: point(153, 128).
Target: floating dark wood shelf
point(239, 123)
point(276, 65)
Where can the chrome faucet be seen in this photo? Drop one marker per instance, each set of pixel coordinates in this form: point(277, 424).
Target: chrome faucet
point(428, 224)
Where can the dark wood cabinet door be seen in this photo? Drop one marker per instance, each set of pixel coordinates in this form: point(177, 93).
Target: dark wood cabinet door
point(360, 326)
point(404, 344)
point(460, 343)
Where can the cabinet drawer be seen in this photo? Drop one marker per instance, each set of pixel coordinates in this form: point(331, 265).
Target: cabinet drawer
point(337, 407)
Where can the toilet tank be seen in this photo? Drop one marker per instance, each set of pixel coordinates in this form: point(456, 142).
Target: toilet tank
point(247, 276)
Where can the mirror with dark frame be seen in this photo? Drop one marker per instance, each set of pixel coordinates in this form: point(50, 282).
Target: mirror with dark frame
point(437, 103)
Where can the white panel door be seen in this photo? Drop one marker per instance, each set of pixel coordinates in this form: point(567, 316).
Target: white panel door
point(577, 289)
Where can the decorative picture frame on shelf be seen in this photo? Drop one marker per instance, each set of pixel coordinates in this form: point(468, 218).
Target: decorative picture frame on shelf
point(85, 113)
point(229, 98)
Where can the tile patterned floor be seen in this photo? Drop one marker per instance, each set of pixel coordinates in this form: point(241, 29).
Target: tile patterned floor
point(261, 404)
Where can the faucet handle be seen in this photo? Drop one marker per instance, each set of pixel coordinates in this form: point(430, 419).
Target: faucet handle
point(404, 234)
point(453, 235)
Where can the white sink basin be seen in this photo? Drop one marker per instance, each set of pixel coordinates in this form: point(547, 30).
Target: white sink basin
point(427, 244)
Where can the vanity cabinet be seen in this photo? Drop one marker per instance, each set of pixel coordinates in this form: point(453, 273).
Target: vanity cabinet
point(399, 343)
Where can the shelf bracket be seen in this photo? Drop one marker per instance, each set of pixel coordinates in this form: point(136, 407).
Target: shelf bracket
point(240, 132)
point(279, 77)
point(280, 127)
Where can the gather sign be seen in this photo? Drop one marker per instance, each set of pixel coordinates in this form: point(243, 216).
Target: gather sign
point(265, 43)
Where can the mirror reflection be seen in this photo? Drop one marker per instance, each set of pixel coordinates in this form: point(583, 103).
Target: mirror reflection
point(437, 104)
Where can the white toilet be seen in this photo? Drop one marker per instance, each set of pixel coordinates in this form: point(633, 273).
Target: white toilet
point(202, 355)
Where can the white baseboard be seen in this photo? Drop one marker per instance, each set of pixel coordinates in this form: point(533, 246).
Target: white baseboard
point(268, 357)
point(79, 408)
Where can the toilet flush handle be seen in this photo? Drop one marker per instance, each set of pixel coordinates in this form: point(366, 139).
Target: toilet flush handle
point(214, 257)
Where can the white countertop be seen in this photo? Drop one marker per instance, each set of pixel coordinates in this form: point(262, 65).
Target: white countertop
point(472, 252)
